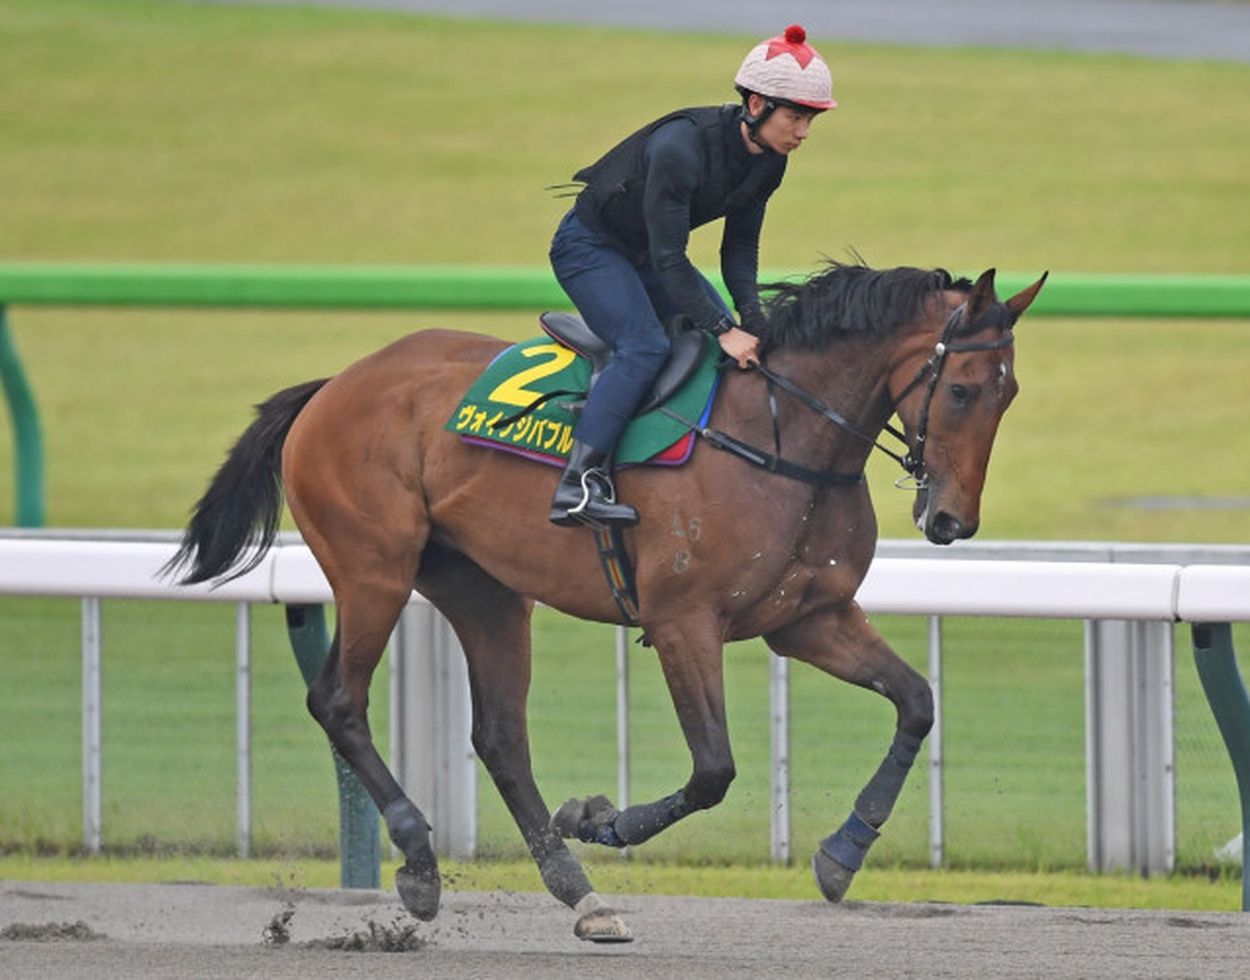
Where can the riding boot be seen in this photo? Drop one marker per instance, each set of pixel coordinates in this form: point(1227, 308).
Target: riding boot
point(586, 494)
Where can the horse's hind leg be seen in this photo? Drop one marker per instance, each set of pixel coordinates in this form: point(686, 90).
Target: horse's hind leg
point(493, 625)
point(339, 699)
point(842, 643)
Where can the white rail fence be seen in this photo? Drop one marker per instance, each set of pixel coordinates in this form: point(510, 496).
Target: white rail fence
point(1129, 595)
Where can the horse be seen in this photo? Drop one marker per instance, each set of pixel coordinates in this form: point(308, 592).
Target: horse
point(389, 501)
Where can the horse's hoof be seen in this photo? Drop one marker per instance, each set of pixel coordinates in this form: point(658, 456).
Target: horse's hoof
point(832, 878)
point(419, 892)
point(599, 923)
point(568, 819)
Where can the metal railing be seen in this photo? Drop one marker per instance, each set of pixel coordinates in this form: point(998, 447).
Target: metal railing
point(1002, 579)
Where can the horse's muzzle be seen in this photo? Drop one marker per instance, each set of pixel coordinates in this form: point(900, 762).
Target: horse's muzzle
point(939, 527)
point(945, 528)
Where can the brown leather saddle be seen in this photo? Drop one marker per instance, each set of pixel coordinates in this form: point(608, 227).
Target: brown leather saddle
point(688, 348)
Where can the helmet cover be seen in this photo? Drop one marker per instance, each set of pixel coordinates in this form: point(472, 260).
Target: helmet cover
point(786, 68)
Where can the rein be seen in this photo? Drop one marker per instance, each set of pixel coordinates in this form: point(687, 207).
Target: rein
point(911, 460)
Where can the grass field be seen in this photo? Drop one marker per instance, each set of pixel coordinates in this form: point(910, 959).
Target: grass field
point(155, 131)
point(165, 130)
point(611, 876)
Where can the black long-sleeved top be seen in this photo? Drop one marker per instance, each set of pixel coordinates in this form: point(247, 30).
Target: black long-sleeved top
point(682, 171)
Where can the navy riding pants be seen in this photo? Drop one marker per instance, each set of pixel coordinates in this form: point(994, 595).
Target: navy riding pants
point(625, 305)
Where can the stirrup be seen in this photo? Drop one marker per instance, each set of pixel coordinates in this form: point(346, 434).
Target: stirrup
point(599, 491)
point(586, 476)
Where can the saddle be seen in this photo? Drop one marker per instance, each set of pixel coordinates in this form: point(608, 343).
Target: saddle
point(683, 360)
point(528, 398)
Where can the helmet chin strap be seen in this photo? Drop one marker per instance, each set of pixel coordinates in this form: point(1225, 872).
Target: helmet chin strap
point(755, 122)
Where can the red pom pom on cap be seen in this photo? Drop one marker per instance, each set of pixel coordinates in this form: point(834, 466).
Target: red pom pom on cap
point(795, 34)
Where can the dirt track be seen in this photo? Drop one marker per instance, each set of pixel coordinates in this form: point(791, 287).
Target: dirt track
point(174, 931)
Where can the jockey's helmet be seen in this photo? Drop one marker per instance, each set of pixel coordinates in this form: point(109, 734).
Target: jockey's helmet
point(786, 70)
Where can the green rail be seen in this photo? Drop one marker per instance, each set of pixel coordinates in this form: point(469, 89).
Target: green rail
point(482, 287)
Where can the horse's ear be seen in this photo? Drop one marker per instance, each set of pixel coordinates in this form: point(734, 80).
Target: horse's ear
point(1021, 301)
point(982, 297)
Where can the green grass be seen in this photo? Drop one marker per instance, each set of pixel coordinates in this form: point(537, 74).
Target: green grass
point(167, 131)
point(611, 876)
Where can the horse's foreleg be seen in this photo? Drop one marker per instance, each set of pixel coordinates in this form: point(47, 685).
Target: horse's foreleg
point(339, 699)
point(693, 669)
point(843, 644)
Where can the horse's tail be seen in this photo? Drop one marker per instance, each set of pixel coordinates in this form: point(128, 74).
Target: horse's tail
point(241, 507)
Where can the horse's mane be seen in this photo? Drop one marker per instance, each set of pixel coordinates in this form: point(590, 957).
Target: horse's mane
point(849, 300)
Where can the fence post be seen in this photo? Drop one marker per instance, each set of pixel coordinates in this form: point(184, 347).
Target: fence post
point(1226, 693)
point(92, 711)
point(779, 724)
point(243, 729)
point(360, 848)
point(937, 806)
point(1130, 771)
point(27, 441)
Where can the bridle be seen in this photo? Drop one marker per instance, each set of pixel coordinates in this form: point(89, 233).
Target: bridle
point(911, 459)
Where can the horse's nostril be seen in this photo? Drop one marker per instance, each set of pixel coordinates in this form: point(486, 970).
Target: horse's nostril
point(945, 528)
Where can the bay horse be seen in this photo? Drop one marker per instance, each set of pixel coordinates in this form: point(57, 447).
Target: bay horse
point(388, 500)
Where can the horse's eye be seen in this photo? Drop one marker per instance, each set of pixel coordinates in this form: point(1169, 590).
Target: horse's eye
point(960, 393)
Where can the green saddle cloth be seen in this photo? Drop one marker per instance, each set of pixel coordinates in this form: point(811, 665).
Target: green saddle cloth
point(526, 372)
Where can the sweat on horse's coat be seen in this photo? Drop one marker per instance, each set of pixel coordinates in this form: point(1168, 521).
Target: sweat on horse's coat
point(388, 500)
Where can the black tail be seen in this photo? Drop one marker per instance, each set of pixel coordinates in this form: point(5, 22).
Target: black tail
point(241, 508)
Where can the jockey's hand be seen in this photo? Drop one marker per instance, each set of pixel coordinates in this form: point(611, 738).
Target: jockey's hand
point(742, 346)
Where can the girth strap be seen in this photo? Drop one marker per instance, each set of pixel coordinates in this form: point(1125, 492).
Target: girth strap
point(619, 571)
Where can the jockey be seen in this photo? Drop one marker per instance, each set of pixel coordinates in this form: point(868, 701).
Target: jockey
point(620, 253)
